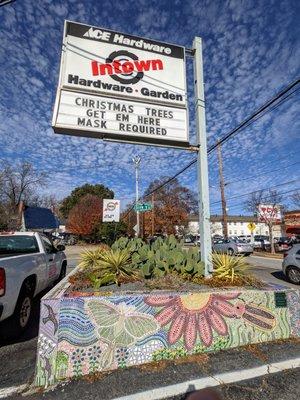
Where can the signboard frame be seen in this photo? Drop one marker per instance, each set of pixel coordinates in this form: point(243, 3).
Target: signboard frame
point(271, 216)
point(114, 215)
point(127, 138)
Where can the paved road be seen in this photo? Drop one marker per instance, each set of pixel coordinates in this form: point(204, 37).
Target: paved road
point(280, 386)
point(17, 356)
point(268, 270)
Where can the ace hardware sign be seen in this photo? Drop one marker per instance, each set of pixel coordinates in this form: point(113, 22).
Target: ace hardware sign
point(120, 87)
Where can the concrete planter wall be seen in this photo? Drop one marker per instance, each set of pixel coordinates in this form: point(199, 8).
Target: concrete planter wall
point(87, 334)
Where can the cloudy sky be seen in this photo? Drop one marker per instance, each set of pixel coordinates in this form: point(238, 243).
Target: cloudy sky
point(251, 51)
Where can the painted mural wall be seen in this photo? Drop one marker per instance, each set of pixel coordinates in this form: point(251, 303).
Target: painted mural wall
point(84, 335)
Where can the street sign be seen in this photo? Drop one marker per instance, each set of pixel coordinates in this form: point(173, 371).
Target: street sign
point(251, 226)
point(121, 87)
point(143, 207)
point(111, 210)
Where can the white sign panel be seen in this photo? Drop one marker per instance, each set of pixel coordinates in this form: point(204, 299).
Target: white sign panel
point(101, 117)
point(111, 210)
point(144, 73)
point(269, 212)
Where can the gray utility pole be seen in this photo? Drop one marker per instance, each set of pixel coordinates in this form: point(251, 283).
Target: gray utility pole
point(137, 160)
point(203, 190)
point(222, 189)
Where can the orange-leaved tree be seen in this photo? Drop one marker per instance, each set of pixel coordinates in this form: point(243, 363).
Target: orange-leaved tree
point(172, 205)
point(85, 216)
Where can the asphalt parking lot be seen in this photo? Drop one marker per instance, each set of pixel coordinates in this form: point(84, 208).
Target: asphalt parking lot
point(17, 356)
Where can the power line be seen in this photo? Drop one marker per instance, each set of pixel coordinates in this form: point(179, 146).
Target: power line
point(262, 174)
point(264, 198)
point(257, 191)
point(256, 113)
point(232, 132)
point(238, 205)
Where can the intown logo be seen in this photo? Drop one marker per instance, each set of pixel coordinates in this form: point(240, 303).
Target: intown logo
point(125, 67)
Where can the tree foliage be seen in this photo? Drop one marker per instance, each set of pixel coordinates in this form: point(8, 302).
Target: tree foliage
point(100, 191)
point(296, 199)
point(172, 205)
point(17, 183)
point(85, 215)
point(271, 197)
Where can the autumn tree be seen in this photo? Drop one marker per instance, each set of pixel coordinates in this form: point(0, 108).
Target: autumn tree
point(270, 197)
point(172, 205)
point(98, 190)
point(85, 216)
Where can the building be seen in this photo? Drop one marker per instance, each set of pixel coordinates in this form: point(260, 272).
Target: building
point(237, 226)
point(38, 219)
point(292, 222)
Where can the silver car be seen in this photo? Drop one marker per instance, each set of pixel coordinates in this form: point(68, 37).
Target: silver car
point(291, 264)
point(232, 247)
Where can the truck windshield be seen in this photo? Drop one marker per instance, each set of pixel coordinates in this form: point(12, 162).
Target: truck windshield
point(16, 245)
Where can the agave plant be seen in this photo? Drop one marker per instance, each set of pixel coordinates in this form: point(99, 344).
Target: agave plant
point(107, 266)
point(228, 267)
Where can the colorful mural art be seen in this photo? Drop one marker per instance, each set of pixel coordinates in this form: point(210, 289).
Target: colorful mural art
point(80, 336)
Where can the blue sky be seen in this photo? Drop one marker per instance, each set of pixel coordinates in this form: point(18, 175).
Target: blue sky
point(251, 51)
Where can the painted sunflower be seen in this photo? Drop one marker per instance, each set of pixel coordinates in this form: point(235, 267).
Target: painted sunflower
point(193, 314)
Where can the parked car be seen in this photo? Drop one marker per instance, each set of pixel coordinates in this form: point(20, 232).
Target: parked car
point(291, 264)
point(283, 243)
point(261, 242)
point(232, 247)
point(29, 263)
point(245, 238)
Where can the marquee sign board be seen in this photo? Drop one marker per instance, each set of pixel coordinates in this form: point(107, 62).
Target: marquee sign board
point(111, 210)
point(269, 212)
point(134, 89)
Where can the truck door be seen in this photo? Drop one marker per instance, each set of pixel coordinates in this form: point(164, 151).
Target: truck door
point(52, 259)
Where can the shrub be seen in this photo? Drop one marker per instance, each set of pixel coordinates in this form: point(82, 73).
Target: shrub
point(162, 257)
point(104, 266)
point(228, 267)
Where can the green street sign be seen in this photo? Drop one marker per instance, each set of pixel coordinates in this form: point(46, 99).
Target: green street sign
point(143, 207)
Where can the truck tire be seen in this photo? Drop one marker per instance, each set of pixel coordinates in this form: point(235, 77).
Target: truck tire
point(23, 310)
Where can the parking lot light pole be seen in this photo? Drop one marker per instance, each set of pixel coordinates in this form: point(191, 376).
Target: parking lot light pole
point(202, 167)
point(137, 160)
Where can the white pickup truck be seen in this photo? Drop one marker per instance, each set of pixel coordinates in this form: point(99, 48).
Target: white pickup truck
point(29, 263)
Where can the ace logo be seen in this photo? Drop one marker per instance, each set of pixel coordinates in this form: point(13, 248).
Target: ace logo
point(97, 34)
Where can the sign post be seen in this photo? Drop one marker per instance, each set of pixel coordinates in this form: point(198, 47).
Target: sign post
point(251, 226)
point(125, 88)
point(202, 167)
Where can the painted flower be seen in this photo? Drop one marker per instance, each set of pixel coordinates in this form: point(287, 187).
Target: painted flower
point(78, 355)
point(193, 314)
point(94, 353)
point(122, 354)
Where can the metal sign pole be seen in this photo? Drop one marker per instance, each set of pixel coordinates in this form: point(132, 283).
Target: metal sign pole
point(203, 191)
point(137, 161)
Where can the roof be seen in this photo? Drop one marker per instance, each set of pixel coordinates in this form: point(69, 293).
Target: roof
point(230, 218)
point(39, 218)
